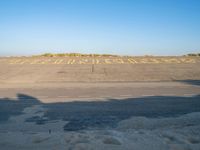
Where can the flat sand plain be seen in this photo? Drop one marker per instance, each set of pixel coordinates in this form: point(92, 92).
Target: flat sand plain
point(98, 69)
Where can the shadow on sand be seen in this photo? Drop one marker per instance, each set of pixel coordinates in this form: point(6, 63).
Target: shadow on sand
point(191, 82)
point(99, 114)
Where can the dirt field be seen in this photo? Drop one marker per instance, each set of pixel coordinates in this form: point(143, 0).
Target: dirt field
point(98, 69)
point(101, 60)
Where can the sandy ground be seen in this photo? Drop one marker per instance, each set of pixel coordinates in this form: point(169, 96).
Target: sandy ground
point(51, 70)
point(140, 133)
point(145, 116)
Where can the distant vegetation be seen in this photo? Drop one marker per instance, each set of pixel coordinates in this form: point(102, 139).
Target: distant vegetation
point(193, 54)
point(97, 55)
point(72, 54)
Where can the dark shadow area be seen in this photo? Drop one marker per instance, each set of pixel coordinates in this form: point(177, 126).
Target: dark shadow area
point(191, 82)
point(100, 114)
point(12, 107)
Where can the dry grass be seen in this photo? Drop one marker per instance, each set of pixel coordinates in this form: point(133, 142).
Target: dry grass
point(194, 54)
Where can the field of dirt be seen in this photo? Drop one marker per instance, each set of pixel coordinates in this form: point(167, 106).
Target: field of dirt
point(98, 69)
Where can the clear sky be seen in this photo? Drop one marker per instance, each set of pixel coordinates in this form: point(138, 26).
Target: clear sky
point(125, 27)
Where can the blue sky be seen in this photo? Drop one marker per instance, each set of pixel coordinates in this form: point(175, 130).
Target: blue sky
point(125, 27)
